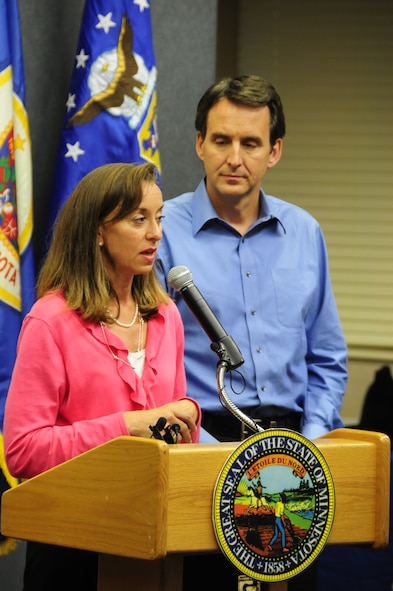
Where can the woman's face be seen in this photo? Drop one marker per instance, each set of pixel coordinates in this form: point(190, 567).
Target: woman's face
point(129, 245)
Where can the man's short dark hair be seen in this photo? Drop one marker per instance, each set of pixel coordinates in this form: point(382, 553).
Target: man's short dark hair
point(249, 90)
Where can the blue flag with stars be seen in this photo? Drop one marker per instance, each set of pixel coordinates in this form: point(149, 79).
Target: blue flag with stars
point(111, 105)
point(17, 278)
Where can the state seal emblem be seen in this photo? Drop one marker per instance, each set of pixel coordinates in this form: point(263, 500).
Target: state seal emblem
point(273, 505)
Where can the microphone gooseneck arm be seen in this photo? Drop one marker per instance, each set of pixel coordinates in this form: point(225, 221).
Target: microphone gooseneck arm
point(222, 368)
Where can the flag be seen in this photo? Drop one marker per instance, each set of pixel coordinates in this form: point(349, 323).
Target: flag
point(17, 292)
point(111, 105)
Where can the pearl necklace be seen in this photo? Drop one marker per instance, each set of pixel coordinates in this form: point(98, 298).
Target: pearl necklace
point(140, 342)
point(125, 324)
point(140, 334)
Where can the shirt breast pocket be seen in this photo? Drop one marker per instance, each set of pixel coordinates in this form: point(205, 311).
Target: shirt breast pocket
point(293, 291)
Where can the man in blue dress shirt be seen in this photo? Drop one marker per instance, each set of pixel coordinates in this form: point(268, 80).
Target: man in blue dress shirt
point(261, 264)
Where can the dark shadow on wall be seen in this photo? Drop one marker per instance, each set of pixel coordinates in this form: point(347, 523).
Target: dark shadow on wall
point(377, 410)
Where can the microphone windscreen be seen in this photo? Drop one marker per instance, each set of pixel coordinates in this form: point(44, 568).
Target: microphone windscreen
point(179, 277)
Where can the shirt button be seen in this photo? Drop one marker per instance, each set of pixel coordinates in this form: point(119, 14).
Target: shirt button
point(248, 274)
point(263, 388)
point(253, 312)
point(259, 350)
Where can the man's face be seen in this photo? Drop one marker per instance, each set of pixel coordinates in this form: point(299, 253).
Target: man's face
point(236, 150)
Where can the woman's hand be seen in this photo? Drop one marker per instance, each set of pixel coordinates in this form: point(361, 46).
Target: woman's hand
point(182, 412)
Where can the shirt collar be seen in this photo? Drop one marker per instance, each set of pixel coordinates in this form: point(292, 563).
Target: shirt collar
point(203, 211)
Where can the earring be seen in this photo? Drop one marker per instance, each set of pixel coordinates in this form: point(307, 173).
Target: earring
point(100, 244)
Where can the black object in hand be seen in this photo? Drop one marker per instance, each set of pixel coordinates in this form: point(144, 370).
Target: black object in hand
point(157, 428)
point(169, 434)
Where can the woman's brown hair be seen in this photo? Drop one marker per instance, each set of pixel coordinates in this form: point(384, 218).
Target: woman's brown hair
point(74, 263)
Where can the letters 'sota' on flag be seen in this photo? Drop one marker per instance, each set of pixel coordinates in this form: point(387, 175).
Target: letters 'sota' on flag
point(111, 105)
point(17, 292)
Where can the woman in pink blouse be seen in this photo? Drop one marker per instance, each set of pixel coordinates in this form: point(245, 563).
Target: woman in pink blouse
point(100, 355)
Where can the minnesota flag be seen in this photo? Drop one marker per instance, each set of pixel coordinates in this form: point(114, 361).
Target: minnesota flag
point(16, 219)
point(111, 105)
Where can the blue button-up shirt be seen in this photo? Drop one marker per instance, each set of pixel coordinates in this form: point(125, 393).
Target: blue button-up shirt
point(270, 289)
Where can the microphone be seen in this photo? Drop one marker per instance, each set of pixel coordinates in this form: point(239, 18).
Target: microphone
point(171, 432)
point(157, 428)
point(180, 278)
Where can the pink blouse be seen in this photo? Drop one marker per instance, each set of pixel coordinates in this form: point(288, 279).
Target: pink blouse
point(68, 393)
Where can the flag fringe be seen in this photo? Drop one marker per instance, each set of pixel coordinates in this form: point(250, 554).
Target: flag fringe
point(8, 545)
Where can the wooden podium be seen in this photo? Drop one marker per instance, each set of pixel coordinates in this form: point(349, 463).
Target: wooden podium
point(143, 504)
